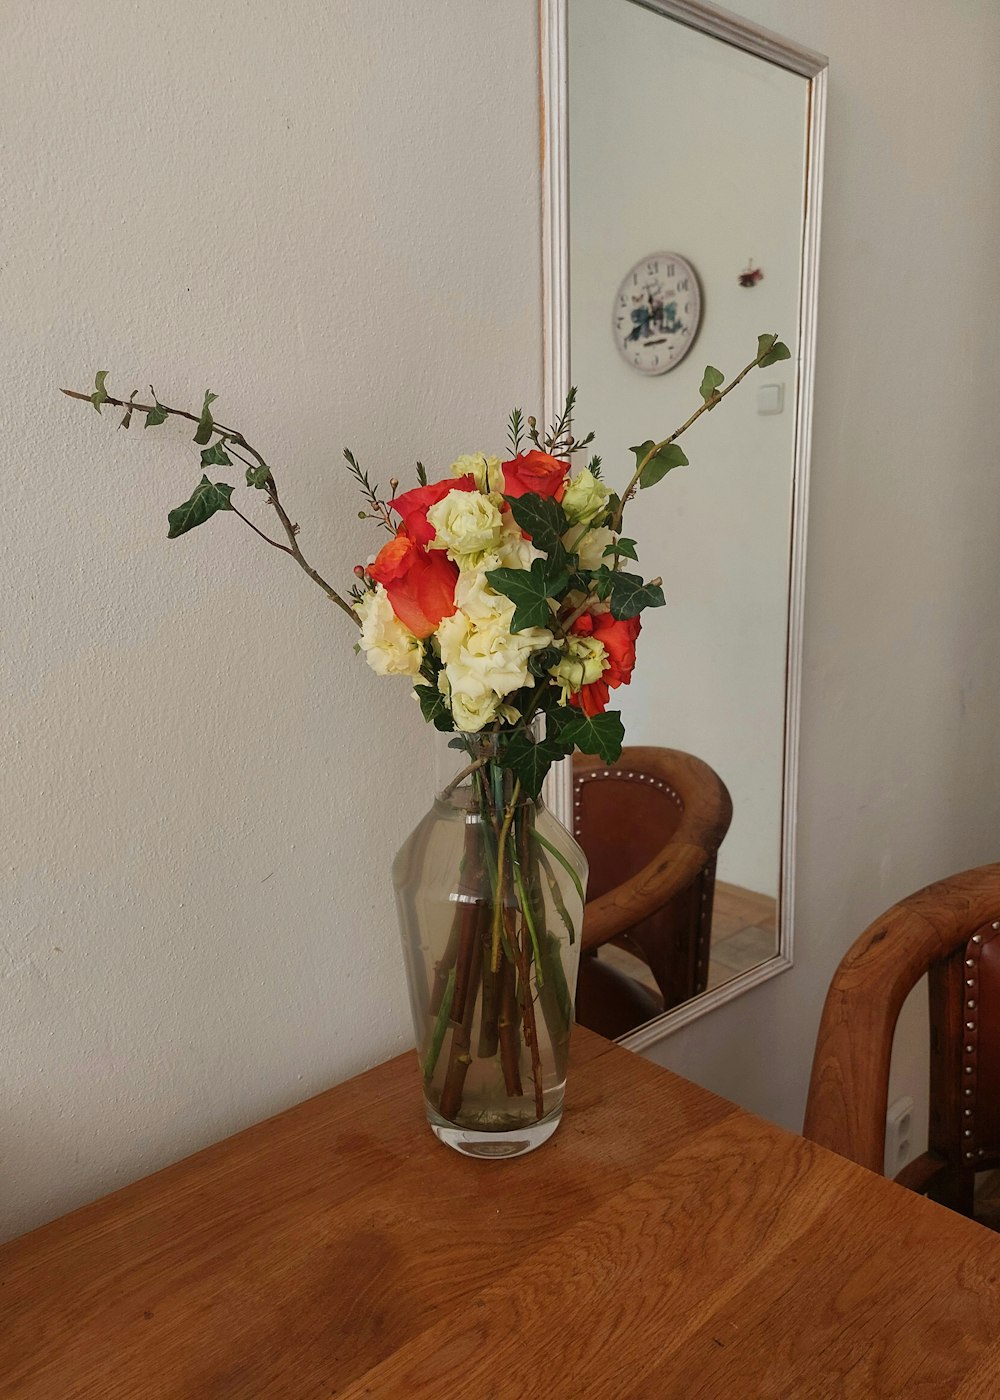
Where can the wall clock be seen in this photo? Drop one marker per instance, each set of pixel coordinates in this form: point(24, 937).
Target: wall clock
point(656, 313)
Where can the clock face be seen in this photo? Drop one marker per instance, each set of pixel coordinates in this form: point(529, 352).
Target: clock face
point(656, 313)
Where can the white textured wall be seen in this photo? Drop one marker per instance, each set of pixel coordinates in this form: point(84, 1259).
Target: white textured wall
point(327, 213)
point(900, 713)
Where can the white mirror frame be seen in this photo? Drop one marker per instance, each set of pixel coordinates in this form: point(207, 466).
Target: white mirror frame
point(555, 235)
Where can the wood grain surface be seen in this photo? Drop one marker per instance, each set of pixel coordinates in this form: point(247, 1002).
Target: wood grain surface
point(664, 1243)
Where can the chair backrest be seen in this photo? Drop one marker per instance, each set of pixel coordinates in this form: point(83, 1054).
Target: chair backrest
point(951, 931)
point(650, 824)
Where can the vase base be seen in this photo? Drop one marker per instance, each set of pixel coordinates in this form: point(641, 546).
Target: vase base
point(510, 1142)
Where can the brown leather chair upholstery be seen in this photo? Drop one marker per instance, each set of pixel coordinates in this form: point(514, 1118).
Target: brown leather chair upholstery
point(951, 931)
point(650, 825)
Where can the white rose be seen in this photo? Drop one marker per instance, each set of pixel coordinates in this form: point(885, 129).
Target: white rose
point(466, 524)
point(591, 548)
point(480, 602)
point(476, 641)
point(585, 497)
point(513, 551)
point(390, 648)
point(473, 704)
point(583, 662)
point(500, 657)
point(486, 470)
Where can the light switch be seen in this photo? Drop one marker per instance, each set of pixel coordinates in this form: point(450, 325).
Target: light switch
point(770, 398)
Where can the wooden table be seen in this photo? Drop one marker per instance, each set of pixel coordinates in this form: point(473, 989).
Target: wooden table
point(664, 1243)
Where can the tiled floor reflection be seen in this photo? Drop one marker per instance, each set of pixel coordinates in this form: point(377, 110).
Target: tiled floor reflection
point(744, 934)
point(744, 931)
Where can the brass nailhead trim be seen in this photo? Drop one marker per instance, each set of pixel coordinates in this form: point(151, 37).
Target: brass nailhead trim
point(973, 949)
point(628, 775)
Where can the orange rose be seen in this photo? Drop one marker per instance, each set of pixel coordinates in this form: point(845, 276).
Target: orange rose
point(420, 585)
point(591, 699)
point(535, 471)
point(412, 506)
point(618, 637)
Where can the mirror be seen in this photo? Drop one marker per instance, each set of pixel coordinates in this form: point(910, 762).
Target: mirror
point(683, 152)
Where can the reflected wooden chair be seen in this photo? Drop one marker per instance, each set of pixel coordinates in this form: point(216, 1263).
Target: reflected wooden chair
point(951, 931)
point(650, 825)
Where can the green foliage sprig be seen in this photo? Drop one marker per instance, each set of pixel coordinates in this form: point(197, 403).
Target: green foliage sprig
point(210, 497)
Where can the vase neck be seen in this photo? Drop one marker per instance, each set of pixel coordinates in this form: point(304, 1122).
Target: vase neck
point(483, 781)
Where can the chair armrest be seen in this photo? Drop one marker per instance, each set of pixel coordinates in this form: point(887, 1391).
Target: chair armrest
point(707, 812)
point(673, 870)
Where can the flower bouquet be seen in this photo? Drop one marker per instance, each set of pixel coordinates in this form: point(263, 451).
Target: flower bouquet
point(503, 593)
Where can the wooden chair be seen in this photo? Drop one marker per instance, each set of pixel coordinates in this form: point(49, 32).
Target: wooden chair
point(951, 931)
point(650, 825)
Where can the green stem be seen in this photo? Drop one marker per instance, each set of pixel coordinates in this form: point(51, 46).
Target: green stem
point(231, 435)
point(498, 900)
point(562, 861)
point(529, 919)
point(709, 404)
point(440, 1026)
point(557, 898)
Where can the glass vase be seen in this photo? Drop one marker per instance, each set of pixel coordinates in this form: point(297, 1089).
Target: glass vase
point(490, 889)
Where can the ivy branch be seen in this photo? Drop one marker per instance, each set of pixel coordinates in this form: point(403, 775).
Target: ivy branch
point(207, 497)
point(769, 350)
point(655, 459)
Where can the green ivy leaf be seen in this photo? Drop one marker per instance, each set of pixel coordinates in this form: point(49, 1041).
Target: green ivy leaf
point(543, 519)
point(624, 548)
point(127, 419)
point(602, 580)
point(770, 350)
point(258, 477)
point(215, 456)
point(657, 467)
point(434, 708)
point(530, 589)
point(530, 762)
point(208, 497)
point(710, 384)
point(206, 425)
point(156, 415)
point(600, 734)
point(779, 351)
point(430, 667)
point(629, 595)
point(100, 394)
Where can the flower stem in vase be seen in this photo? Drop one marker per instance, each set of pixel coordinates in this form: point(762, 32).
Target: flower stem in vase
point(526, 1001)
point(510, 1029)
point(489, 1021)
point(460, 1058)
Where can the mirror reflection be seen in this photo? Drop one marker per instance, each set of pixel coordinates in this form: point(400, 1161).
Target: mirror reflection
point(687, 180)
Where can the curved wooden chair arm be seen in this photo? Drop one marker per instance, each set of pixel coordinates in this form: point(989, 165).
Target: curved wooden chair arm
point(848, 1090)
point(708, 810)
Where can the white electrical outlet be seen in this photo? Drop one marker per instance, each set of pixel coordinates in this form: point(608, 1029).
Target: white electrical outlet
point(898, 1135)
